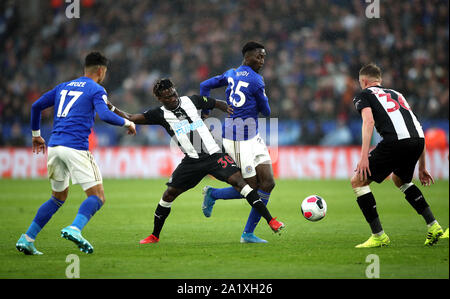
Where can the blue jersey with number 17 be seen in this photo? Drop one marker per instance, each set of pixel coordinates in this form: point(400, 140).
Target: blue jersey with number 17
point(245, 93)
point(75, 105)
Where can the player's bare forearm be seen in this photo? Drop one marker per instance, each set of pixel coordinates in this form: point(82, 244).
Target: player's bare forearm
point(363, 169)
point(122, 113)
point(367, 130)
point(426, 179)
point(136, 118)
point(422, 162)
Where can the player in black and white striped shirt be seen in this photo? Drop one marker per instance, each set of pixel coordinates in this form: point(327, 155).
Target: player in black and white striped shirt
point(402, 146)
point(181, 119)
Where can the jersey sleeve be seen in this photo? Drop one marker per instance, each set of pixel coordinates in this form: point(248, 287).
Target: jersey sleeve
point(153, 116)
point(207, 85)
point(261, 98)
point(361, 101)
point(45, 101)
point(99, 100)
point(212, 83)
point(203, 102)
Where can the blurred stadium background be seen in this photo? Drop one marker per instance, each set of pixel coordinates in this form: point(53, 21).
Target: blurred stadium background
point(315, 49)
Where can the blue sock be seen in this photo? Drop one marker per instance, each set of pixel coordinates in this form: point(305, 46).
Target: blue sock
point(87, 209)
point(225, 193)
point(43, 215)
point(254, 217)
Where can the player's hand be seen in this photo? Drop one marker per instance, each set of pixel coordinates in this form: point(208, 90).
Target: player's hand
point(229, 109)
point(425, 177)
point(362, 169)
point(131, 129)
point(38, 144)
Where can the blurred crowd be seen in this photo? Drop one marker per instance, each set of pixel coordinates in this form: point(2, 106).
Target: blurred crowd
point(314, 51)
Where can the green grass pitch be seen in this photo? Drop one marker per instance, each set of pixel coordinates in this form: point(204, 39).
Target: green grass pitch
point(193, 246)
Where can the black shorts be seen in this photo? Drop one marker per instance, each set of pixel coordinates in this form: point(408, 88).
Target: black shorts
point(398, 157)
point(191, 171)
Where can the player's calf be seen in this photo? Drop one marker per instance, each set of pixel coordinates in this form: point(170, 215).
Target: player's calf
point(416, 199)
point(255, 201)
point(161, 213)
point(367, 204)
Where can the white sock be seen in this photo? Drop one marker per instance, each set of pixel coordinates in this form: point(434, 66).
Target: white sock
point(379, 233)
point(246, 190)
point(431, 224)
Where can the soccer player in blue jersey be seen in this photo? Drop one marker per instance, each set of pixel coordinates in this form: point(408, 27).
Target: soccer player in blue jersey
point(245, 92)
point(76, 103)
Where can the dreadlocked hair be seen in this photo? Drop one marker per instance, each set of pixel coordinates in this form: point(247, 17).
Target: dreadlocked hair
point(161, 85)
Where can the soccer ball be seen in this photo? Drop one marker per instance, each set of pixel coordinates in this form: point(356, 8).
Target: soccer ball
point(314, 208)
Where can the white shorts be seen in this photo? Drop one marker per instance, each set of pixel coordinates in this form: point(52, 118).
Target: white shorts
point(65, 162)
point(248, 154)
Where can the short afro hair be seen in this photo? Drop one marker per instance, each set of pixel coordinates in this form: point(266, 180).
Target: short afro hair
point(95, 59)
point(161, 85)
point(250, 46)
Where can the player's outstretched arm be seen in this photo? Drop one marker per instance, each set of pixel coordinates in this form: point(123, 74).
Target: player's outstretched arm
point(212, 83)
point(136, 118)
point(112, 118)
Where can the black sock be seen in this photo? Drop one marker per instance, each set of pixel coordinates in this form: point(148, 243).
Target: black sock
point(255, 201)
point(368, 207)
point(161, 214)
point(428, 216)
point(415, 198)
point(375, 226)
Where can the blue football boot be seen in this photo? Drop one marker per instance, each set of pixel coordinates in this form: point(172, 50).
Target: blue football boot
point(73, 234)
point(208, 201)
point(251, 238)
point(27, 247)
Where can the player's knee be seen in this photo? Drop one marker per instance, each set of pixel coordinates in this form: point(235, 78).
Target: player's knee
point(98, 191)
point(267, 185)
point(170, 194)
point(62, 196)
point(355, 182)
point(252, 182)
point(101, 194)
point(236, 180)
point(397, 181)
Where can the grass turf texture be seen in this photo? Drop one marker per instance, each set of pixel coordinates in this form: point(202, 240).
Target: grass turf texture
point(193, 246)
